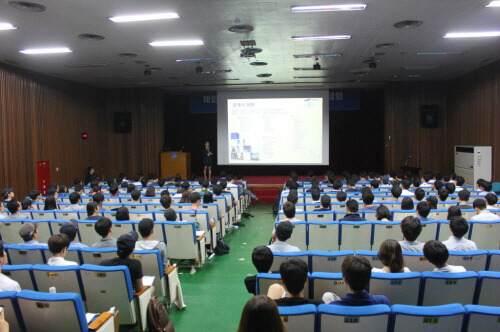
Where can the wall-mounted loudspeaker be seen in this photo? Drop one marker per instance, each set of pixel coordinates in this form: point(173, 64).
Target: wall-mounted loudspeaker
point(122, 122)
point(429, 116)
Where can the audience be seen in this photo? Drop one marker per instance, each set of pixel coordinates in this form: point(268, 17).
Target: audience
point(463, 196)
point(122, 214)
point(437, 254)
point(74, 199)
point(58, 247)
point(482, 213)
point(383, 213)
point(50, 203)
point(325, 203)
point(411, 229)
point(70, 228)
point(170, 215)
point(454, 211)
point(459, 227)
point(146, 229)
point(260, 314)
point(283, 232)
point(262, 259)
point(104, 227)
point(352, 209)
point(14, 208)
point(289, 211)
point(407, 204)
point(368, 199)
point(395, 193)
point(433, 201)
point(391, 256)
point(93, 211)
point(29, 233)
point(491, 200)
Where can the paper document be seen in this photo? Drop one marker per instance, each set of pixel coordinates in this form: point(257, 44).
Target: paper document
point(89, 317)
point(148, 280)
point(200, 233)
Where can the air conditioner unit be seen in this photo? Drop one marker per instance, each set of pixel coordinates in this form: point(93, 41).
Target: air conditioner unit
point(473, 163)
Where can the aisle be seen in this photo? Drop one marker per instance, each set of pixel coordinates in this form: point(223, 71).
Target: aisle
point(216, 294)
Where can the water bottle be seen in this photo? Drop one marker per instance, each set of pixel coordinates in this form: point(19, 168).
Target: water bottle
point(52, 290)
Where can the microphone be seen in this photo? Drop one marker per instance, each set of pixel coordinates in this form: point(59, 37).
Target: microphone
point(181, 149)
point(406, 162)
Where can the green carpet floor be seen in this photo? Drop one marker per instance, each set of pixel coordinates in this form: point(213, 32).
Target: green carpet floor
point(216, 294)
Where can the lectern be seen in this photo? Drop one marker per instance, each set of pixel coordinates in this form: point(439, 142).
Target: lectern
point(173, 162)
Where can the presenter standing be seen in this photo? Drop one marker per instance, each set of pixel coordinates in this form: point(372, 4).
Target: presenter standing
point(207, 161)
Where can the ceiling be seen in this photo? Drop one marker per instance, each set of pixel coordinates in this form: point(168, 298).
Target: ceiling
point(274, 25)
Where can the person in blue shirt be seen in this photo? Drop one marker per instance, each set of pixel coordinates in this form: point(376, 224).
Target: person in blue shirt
point(351, 187)
point(70, 228)
point(352, 208)
point(356, 273)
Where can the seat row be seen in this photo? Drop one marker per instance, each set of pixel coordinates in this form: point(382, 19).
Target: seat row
point(397, 318)
point(412, 288)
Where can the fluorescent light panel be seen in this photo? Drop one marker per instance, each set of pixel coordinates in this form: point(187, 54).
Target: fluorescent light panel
point(143, 17)
point(328, 8)
point(472, 34)
point(196, 60)
point(333, 37)
point(6, 26)
point(190, 42)
point(493, 4)
point(440, 53)
point(46, 50)
point(298, 56)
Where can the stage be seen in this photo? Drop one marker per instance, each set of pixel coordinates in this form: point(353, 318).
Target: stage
point(267, 187)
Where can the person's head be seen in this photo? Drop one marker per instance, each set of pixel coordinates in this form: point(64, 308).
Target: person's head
point(407, 204)
point(35, 194)
point(491, 199)
point(459, 226)
point(166, 201)
point(396, 191)
point(135, 194)
point(92, 209)
point(70, 228)
point(368, 198)
point(385, 179)
point(436, 253)
point(292, 197)
point(454, 211)
point(161, 182)
point(433, 201)
point(150, 192)
point(464, 195)
point(79, 189)
point(185, 197)
point(416, 183)
point(356, 271)
point(130, 188)
point(28, 231)
point(113, 189)
point(423, 209)
point(337, 184)
point(325, 201)
point(217, 189)
point(289, 209)
point(479, 204)
point(223, 184)
point(487, 186)
point(96, 188)
point(51, 191)
point(195, 198)
point(103, 226)
point(374, 184)
point(90, 170)
point(284, 230)
point(7, 193)
point(74, 198)
point(450, 188)
point(352, 206)
point(26, 204)
point(294, 275)
point(341, 196)
point(438, 185)
point(315, 193)
point(443, 194)
point(208, 197)
point(98, 198)
point(170, 214)
point(146, 227)
point(122, 214)
point(391, 255)
point(58, 243)
point(446, 177)
point(185, 186)
point(351, 183)
point(164, 192)
point(365, 190)
point(261, 314)
point(262, 259)
point(411, 228)
point(406, 184)
point(50, 203)
point(419, 194)
point(205, 184)
point(383, 213)
point(126, 244)
point(460, 180)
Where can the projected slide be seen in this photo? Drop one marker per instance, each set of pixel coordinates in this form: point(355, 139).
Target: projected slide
point(275, 131)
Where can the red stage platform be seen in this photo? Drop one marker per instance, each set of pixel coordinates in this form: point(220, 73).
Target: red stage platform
point(267, 187)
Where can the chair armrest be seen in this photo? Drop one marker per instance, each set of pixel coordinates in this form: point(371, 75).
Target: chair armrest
point(169, 269)
point(100, 321)
point(139, 293)
point(213, 226)
point(199, 238)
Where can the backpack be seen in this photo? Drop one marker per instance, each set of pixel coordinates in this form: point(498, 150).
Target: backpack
point(158, 320)
point(221, 248)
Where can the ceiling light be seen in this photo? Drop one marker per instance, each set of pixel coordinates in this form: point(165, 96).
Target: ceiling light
point(46, 50)
point(90, 36)
point(310, 77)
point(196, 60)
point(298, 56)
point(258, 63)
point(189, 42)
point(472, 34)
point(333, 37)
point(241, 28)
point(493, 4)
point(7, 26)
point(311, 68)
point(327, 8)
point(27, 6)
point(143, 17)
point(264, 75)
point(386, 45)
point(407, 24)
point(440, 53)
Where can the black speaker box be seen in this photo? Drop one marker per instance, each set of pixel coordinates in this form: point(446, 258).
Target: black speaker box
point(429, 116)
point(122, 122)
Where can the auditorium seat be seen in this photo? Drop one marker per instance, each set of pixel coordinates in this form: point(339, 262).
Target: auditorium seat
point(280, 257)
point(152, 265)
point(494, 260)
point(138, 215)
point(65, 214)
point(416, 261)
point(119, 228)
point(451, 287)
point(474, 260)
point(182, 242)
point(486, 234)
point(487, 290)
point(95, 256)
point(449, 317)
point(481, 318)
point(66, 279)
point(383, 230)
point(445, 232)
point(311, 206)
point(152, 207)
point(322, 282)
point(328, 261)
point(400, 288)
point(354, 319)
point(21, 273)
point(398, 215)
point(203, 219)
point(468, 213)
point(429, 231)
point(370, 215)
point(323, 235)
point(41, 214)
point(337, 206)
point(72, 255)
point(299, 215)
point(12, 314)
point(44, 230)
point(87, 232)
point(299, 234)
point(9, 231)
point(355, 235)
point(320, 216)
point(372, 256)
point(21, 254)
point(300, 318)
point(265, 280)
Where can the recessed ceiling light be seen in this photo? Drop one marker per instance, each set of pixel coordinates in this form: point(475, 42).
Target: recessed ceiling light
point(472, 34)
point(196, 60)
point(310, 77)
point(46, 50)
point(440, 53)
point(264, 75)
point(327, 8)
point(90, 36)
point(267, 82)
point(332, 37)
point(6, 26)
point(311, 68)
point(493, 4)
point(27, 6)
point(241, 28)
point(316, 55)
point(188, 42)
point(143, 17)
point(386, 45)
point(127, 55)
point(258, 63)
point(407, 24)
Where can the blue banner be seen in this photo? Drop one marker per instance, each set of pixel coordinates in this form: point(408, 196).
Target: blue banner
point(344, 99)
point(203, 102)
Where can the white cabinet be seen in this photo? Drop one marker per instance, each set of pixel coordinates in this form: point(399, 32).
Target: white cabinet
point(473, 163)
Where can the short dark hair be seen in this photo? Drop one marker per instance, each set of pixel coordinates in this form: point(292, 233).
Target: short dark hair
point(383, 212)
point(438, 184)
point(450, 187)
point(217, 189)
point(78, 188)
point(166, 201)
point(478, 203)
point(443, 194)
point(417, 183)
point(491, 198)
point(161, 182)
point(315, 193)
point(337, 184)
point(368, 198)
point(292, 196)
point(351, 182)
point(135, 194)
point(113, 189)
point(406, 184)
point(102, 226)
point(51, 191)
point(294, 275)
point(341, 196)
point(58, 242)
point(170, 214)
point(432, 200)
point(396, 191)
point(130, 187)
point(262, 259)
point(13, 205)
point(194, 197)
point(407, 204)
point(460, 180)
point(284, 230)
point(459, 226)
point(326, 201)
point(436, 253)
point(91, 208)
point(289, 209)
point(26, 203)
point(208, 197)
point(146, 227)
point(74, 197)
point(423, 209)
point(122, 214)
point(419, 194)
point(464, 195)
point(352, 205)
point(204, 183)
point(411, 228)
point(34, 194)
point(375, 184)
point(356, 271)
point(454, 211)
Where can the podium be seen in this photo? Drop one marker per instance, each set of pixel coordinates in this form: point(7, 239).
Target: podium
point(412, 169)
point(173, 162)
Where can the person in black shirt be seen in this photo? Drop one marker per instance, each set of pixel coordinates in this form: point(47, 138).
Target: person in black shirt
point(91, 175)
point(262, 259)
point(352, 208)
point(325, 203)
point(207, 161)
point(125, 247)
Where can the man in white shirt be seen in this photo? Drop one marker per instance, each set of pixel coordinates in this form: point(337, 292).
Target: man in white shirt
point(14, 208)
point(29, 233)
point(58, 247)
point(6, 283)
point(437, 254)
point(283, 232)
point(289, 211)
point(411, 229)
point(482, 213)
point(74, 199)
point(459, 227)
point(491, 201)
point(405, 184)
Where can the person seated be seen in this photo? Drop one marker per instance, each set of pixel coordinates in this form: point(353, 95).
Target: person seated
point(204, 186)
point(450, 188)
point(104, 227)
point(490, 198)
point(150, 192)
point(437, 254)
point(325, 203)
point(262, 259)
point(293, 197)
point(483, 214)
point(27, 204)
point(484, 187)
point(6, 283)
point(416, 183)
point(36, 195)
point(391, 256)
point(385, 182)
point(125, 248)
point(294, 276)
point(383, 213)
point(463, 197)
point(130, 187)
point(419, 195)
point(283, 232)
point(289, 210)
point(425, 180)
point(459, 227)
point(341, 196)
point(443, 194)
point(356, 273)
point(136, 196)
point(405, 190)
point(93, 211)
point(351, 186)
point(146, 229)
point(122, 214)
point(315, 194)
point(50, 203)
point(79, 189)
point(407, 204)
point(411, 229)
point(368, 205)
point(337, 185)
point(113, 190)
point(374, 185)
point(14, 208)
point(423, 210)
point(58, 247)
point(352, 207)
point(433, 201)
point(166, 201)
point(70, 228)
point(395, 193)
point(170, 215)
point(437, 185)
point(459, 183)
point(260, 314)
point(74, 199)
point(453, 211)
point(29, 233)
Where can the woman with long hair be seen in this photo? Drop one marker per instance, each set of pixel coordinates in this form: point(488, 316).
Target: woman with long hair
point(50, 203)
point(391, 256)
point(260, 314)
